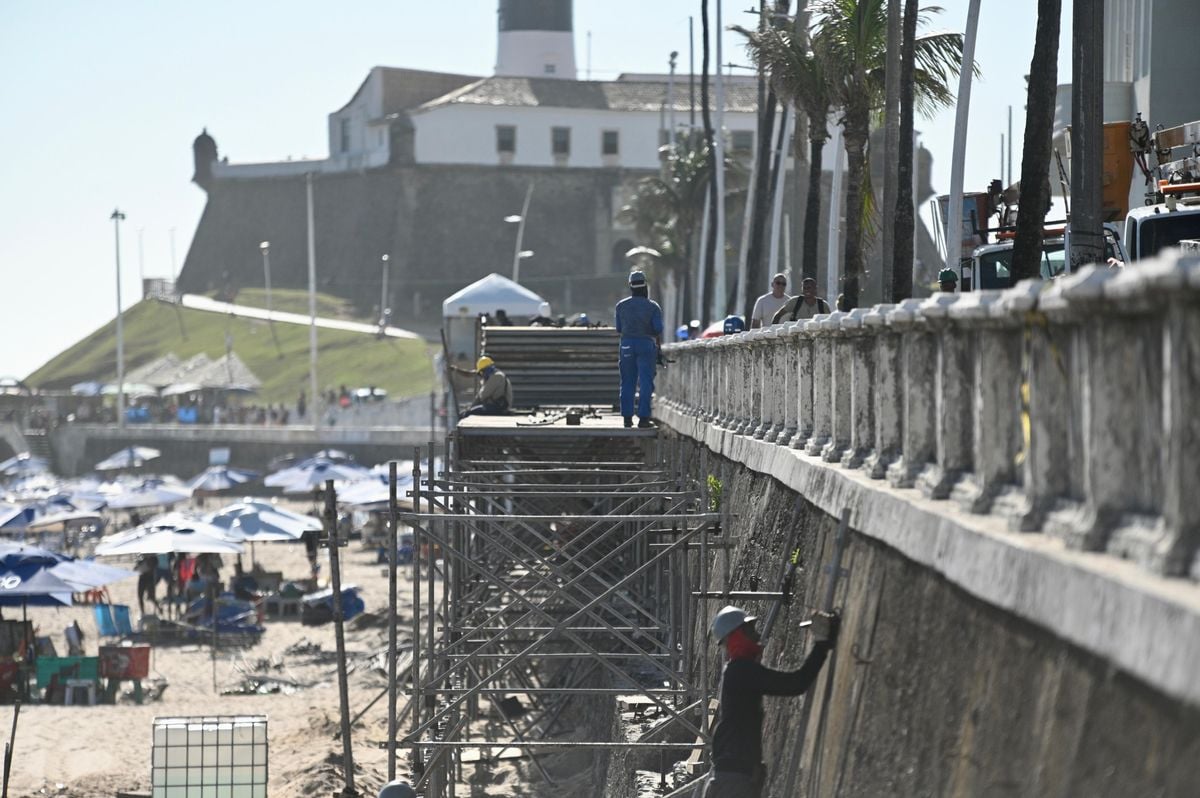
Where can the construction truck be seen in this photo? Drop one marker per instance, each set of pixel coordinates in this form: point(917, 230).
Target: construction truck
point(1172, 210)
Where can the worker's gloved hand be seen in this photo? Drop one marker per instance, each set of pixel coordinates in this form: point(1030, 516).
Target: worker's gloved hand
point(825, 626)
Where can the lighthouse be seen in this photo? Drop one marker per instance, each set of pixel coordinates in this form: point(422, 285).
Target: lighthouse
point(536, 39)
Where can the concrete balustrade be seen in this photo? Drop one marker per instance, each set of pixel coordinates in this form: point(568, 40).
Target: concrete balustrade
point(1068, 408)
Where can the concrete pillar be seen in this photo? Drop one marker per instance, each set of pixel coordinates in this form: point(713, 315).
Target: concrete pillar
point(918, 353)
point(760, 419)
point(822, 382)
point(861, 342)
point(1179, 545)
point(726, 404)
point(780, 384)
point(1041, 461)
point(889, 398)
point(994, 391)
point(743, 374)
point(789, 371)
point(804, 385)
point(953, 415)
point(840, 419)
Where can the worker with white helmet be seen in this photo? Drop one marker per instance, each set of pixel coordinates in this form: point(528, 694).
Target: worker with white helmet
point(737, 767)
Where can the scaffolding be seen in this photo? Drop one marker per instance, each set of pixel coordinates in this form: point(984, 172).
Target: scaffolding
point(557, 568)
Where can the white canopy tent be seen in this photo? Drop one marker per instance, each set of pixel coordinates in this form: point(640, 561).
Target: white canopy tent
point(486, 295)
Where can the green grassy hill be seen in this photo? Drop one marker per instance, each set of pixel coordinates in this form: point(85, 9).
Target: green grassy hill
point(153, 329)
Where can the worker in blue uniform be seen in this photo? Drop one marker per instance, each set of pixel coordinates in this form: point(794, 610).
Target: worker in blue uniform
point(639, 320)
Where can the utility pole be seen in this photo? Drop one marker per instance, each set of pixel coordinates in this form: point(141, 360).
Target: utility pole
point(1008, 178)
point(265, 247)
point(118, 217)
point(691, 77)
point(720, 294)
point(312, 303)
point(954, 215)
point(1087, 133)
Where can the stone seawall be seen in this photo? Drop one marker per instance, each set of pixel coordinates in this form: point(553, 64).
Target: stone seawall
point(1022, 602)
point(934, 690)
point(185, 448)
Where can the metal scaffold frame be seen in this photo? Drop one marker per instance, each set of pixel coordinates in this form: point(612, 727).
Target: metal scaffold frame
point(542, 583)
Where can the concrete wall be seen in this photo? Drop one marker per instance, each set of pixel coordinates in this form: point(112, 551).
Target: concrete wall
point(185, 447)
point(932, 690)
point(1022, 614)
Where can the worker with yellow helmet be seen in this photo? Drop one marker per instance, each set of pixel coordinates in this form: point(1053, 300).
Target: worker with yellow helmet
point(494, 397)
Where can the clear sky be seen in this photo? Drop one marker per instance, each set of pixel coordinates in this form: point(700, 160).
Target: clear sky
point(101, 102)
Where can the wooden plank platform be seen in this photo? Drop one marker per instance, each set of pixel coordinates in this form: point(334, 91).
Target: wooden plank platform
point(608, 425)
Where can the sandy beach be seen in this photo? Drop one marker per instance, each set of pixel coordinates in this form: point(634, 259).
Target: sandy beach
point(100, 750)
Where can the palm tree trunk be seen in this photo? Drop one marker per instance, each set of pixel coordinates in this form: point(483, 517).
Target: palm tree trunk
point(761, 199)
point(891, 149)
point(1035, 154)
point(710, 245)
point(812, 206)
point(902, 260)
point(856, 128)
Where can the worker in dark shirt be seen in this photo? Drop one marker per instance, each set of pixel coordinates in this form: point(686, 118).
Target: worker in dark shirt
point(737, 767)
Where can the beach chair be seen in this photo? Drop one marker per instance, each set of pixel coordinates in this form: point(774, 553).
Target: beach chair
point(105, 625)
point(113, 620)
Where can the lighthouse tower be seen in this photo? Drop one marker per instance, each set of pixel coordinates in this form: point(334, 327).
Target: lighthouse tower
point(536, 39)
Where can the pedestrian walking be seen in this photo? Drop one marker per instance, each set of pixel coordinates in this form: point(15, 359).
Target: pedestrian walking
point(767, 305)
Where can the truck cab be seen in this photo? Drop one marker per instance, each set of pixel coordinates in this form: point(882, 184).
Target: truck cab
point(989, 265)
point(1156, 227)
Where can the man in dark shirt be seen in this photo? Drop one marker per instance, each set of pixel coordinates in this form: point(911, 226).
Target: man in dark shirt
point(737, 768)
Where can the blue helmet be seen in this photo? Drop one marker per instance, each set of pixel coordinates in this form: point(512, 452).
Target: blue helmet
point(733, 324)
point(681, 333)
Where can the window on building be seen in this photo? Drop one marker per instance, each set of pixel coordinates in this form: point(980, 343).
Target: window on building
point(560, 141)
point(743, 142)
point(506, 138)
point(610, 143)
point(549, 69)
point(345, 130)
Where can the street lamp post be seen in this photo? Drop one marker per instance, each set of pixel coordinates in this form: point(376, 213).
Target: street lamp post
point(312, 301)
point(383, 292)
point(266, 253)
point(118, 217)
point(671, 102)
point(518, 253)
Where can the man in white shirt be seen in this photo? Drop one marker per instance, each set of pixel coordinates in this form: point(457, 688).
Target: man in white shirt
point(768, 304)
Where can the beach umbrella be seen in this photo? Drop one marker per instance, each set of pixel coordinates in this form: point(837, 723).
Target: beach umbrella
point(58, 522)
point(129, 457)
point(150, 493)
point(81, 575)
point(33, 584)
point(24, 465)
point(255, 524)
point(216, 478)
point(312, 474)
point(169, 533)
point(336, 455)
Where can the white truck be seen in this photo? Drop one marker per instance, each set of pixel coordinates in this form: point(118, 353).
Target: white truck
point(1172, 211)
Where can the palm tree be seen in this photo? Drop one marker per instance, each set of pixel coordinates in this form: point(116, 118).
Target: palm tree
point(1035, 153)
point(798, 76)
point(850, 37)
point(710, 244)
point(665, 210)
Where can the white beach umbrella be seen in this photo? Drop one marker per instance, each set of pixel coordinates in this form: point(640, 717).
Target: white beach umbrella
point(169, 533)
point(150, 493)
point(129, 457)
point(247, 522)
